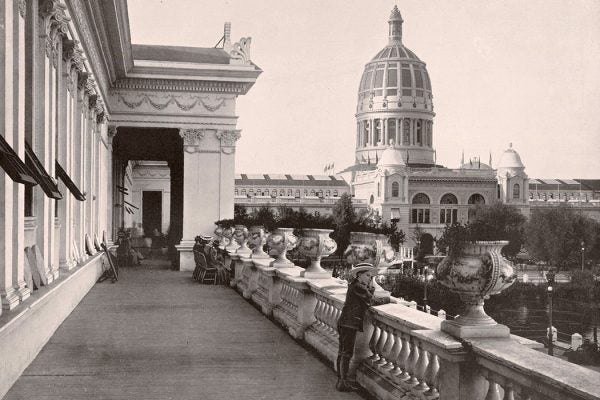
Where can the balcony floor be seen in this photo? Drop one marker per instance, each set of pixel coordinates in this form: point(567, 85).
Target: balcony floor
point(156, 334)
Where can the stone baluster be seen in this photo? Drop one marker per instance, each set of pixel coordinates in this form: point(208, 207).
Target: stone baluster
point(509, 392)
point(421, 369)
point(432, 376)
point(413, 362)
point(395, 354)
point(387, 350)
point(319, 311)
point(404, 358)
point(380, 345)
point(373, 346)
point(493, 392)
point(329, 317)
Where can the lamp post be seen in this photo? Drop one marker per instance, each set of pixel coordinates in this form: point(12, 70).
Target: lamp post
point(582, 254)
point(550, 278)
point(427, 277)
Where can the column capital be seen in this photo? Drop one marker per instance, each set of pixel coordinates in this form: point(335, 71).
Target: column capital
point(191, 138)
point(55, 26)
point(23, 8)
point(228, 139)
point(72, 55)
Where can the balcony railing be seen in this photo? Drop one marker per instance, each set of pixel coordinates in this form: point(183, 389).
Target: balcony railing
point(403, 353)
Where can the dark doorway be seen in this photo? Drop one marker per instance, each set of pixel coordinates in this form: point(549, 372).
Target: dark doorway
point(152, 211)
point(427, 244)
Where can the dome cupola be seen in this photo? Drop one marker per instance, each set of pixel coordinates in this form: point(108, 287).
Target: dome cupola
point(395, 102)
point(391, 157)
point(510, 159)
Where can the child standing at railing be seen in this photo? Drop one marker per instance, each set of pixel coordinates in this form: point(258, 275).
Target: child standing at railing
point(358, 300)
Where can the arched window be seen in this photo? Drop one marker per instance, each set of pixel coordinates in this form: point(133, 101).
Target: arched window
point(378, 189)
point(290, 192)
point(235, 192)
point(448, 213)
point(312, 192)
point(243, 192)
point(372, 200)
point(406, 132)
point(298, 193)
point(395, 189)
point(421, 198)
point(327, 193)
point(476, 199)
point(274, 193)
point(306, 192)
point(335, 193)
point(448, 198)
point(516, 191)
point(282, 192)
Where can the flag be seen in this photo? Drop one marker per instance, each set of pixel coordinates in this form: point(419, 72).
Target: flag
point(332, 166)
point(407, 157)
point(479, 160)
point(434, 156)
point(462, 158)
point(369, 158)
point(325, 168)
point(376, 158)
point(490, 158)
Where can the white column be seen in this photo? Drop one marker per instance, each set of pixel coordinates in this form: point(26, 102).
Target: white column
point(208, 174)
point(8, 295)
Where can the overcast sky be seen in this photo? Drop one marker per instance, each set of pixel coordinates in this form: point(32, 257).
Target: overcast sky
point(526, 72)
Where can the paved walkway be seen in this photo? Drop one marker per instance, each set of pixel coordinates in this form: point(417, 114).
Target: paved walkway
point(156, 334)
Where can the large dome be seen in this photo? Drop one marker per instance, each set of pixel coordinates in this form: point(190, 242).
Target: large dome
point(510, 159)
point(395, 103)
point(396, 74)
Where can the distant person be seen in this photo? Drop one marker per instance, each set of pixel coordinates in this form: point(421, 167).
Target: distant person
point(358, 300)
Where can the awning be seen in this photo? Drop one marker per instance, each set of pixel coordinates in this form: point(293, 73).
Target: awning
point(13, 166)
point(63, 176)
point(42, 177)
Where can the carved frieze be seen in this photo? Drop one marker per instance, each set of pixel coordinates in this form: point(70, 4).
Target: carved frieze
point(161, 102)
point(240, 51)
point(182, 86)
point(23, 8)
point(228, 139)
point(191, 139)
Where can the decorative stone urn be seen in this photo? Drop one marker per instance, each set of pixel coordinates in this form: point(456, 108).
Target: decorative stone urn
point(316, 244)
point(257, 238)
point(240, 235)
point(480, 272)
point(282, 240)
point(371, 248)
point(228, 242)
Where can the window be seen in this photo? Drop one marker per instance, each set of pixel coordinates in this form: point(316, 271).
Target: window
point(516, 191)
point(243, 192)
point(235, 192)
point(335, 193)
point(282, 192)
point(327, 193)
point(476, 199)
point(298, 193)
point(406, 132)
point(419, 132)
point(449, 198)
point(421, 198)
point(378, 189)
point(290, 192)
point(378, 130)
point(312, 192)
point(273, 193)
point(371, 200)
point(395, 189)
point(378, 77)
point(419, 216)
point(448, 215)
point(391, 130)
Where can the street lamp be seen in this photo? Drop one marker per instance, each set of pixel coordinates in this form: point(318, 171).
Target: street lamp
point(427, 277)
point(550, 278)
point(582, 254)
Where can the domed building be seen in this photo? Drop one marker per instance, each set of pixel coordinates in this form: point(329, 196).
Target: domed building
point(395, 169)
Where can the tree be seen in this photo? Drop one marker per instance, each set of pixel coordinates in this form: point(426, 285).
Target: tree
point(344, 218)
point(397, 237)
point(499, 222)
point(554, 235)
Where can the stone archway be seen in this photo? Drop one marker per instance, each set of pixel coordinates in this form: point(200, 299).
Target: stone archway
point(426, 244)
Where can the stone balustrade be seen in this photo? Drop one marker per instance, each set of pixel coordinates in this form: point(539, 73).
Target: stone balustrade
point(403, 352)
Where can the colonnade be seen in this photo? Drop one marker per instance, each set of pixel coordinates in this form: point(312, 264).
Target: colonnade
point(51, 101)
point(403, 131)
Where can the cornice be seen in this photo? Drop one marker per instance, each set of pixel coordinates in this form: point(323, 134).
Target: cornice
point(183, 85)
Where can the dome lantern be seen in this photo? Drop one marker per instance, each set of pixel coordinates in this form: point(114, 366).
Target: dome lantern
point(395, 23)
